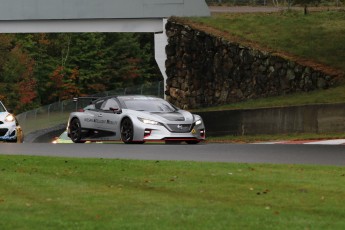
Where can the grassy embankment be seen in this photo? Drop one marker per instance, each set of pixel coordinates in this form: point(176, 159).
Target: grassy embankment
point(317, 38)
point(59, 193)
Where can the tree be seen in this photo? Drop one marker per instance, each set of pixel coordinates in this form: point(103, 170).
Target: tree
point(5, 47)
point(39, 48)
point(18, 84)
point(74, 64)
point(132, 60)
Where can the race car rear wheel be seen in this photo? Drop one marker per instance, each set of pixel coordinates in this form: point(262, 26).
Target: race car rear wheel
point(75, 131)
point(127, 131)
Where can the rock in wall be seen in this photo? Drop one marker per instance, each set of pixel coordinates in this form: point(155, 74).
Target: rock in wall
point(204, 70)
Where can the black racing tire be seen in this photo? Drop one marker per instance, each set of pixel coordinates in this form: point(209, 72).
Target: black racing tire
point(192, 142)
point(127, 131)
point(75, 131)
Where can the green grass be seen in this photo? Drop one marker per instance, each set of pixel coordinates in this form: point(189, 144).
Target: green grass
point(68, 193)
point(318, 36)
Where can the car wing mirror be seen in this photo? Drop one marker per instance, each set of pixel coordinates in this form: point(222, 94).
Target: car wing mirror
point(115, 110)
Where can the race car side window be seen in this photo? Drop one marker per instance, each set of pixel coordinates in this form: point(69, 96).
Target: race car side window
point(90, 107)
point(98, 104)
point(110, 103)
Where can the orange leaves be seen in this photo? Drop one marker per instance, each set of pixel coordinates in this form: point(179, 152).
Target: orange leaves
point(133, 68)
point(57, 77)
point(27, 90)
point(64, 85)
point(97, 87)
point(43, 40)
point(19, 81)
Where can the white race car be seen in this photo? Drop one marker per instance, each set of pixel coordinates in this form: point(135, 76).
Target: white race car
point(134, 119)
point(10, 130)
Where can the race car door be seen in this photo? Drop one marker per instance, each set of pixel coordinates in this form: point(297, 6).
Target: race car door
point(109, 116)
point(90, 120)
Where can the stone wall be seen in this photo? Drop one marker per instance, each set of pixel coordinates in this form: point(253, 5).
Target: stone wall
point(204, 70)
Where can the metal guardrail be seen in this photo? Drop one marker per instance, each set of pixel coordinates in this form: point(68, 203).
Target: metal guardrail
point(57, 113)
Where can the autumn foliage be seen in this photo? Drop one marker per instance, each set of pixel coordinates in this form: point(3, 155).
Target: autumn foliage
point(38, 69)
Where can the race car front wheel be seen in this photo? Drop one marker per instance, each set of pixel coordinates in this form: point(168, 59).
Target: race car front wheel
point(127, 131)
point(75, 131)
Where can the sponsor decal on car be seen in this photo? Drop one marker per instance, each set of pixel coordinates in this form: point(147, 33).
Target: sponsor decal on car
point(100, 121)
point(111, 122)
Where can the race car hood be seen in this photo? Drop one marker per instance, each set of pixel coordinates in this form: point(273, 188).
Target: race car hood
point(3, 115)
point(174, 116)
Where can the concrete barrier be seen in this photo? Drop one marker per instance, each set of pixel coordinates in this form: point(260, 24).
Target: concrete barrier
point(325, 118)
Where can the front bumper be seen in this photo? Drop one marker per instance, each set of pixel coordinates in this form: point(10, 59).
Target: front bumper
point(8, 132)
point(160, 132)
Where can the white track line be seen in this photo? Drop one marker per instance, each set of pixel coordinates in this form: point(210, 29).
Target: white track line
point(306, 142)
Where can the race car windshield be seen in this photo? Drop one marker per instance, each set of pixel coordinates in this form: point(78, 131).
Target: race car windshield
point(2, 109)
point(149, 105)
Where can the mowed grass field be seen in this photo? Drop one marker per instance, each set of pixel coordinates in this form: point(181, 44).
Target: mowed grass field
point(68, 193)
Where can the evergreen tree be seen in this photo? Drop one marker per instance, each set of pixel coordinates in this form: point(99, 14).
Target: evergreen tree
point(73, 64)
point(18, 87)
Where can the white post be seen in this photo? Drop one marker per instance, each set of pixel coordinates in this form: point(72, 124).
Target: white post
point(161, 41)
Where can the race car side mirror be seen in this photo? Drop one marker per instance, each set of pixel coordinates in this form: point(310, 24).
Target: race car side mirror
point(115, 110)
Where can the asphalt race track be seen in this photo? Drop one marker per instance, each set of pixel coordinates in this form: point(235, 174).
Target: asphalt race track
point(245, 153)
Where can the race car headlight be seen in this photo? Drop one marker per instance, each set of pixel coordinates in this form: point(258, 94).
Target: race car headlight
point(198, 122)
point(148, 122)
point(9, 118)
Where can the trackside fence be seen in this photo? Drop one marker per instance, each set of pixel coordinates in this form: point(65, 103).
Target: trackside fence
point(57, 113)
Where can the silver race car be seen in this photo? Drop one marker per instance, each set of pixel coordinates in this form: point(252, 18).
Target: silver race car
point(10, 130)
point(134, 119)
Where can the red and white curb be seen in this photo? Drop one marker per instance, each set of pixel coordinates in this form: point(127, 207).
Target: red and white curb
point(309, 142)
